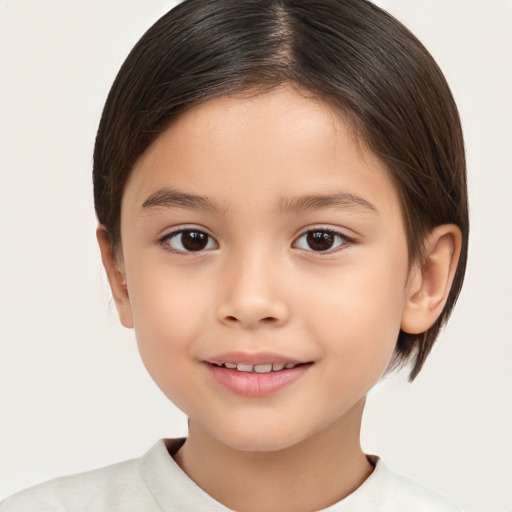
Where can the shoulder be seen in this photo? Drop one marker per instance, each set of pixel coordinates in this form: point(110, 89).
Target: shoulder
point(116, 487)
point(151, 484)
point(392, 492)
point(386, 491)
point(405, 492)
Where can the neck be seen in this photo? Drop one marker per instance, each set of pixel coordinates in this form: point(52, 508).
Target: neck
point(311, 475)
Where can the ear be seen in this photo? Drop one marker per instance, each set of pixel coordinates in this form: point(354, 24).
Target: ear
point(116, 274)
point(430, 280)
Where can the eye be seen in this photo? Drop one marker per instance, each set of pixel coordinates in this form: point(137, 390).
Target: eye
point(189, 240)
point(321, 240)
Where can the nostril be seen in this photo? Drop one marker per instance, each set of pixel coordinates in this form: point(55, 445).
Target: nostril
point(265, 320)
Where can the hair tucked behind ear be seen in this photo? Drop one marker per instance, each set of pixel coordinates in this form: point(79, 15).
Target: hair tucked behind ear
point(348, 53)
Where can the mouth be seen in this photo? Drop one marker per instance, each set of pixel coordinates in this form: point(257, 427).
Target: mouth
point(257, 378)
point(257, 368)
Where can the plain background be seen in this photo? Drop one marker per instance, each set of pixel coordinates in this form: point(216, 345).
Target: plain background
point(74, 395)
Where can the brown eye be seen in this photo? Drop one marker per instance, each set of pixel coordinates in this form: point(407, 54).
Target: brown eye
point(320, 240)
point(191, 240)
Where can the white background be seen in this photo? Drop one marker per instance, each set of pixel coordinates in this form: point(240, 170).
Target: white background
point(73, 393)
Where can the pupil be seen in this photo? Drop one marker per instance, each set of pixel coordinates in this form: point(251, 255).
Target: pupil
point(194, 240)
point(320, 240)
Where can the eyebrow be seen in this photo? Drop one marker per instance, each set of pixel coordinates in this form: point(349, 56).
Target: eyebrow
point(170, 198)
point(342, 200)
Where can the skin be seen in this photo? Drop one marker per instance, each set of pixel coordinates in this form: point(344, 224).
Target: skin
point(259, 287)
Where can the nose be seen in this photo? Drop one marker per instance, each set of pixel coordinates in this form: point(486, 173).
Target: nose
point(251, 297)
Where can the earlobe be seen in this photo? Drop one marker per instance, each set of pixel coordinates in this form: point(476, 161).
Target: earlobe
point(430, 280)
point(116, 276)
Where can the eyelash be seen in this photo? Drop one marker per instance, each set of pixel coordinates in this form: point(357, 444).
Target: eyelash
point(339, 238)
point(165, 241)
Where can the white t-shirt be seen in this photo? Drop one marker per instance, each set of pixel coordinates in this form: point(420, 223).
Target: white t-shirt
point(155, 483)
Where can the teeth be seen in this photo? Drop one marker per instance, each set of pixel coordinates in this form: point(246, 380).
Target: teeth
point(244, 367)
point(262, 368)
point(257, 368)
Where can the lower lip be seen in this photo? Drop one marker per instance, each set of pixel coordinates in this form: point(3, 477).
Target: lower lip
point(256, 384)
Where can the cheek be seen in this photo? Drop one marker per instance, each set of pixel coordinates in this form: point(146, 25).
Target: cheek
point(166, 297)
point(169, 312)
point(357, 331)
point(357, 311)
point(166, 324)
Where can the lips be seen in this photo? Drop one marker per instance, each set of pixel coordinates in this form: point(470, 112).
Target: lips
point(256, 375)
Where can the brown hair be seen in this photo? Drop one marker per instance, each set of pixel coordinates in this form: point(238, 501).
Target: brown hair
point(349, 53)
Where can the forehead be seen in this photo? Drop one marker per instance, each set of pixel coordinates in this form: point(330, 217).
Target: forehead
point(272, 146)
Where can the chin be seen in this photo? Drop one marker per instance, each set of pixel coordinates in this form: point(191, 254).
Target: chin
point(259, 438)
point(259, 445)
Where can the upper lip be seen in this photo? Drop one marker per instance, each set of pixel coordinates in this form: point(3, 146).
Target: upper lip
point(254, 358)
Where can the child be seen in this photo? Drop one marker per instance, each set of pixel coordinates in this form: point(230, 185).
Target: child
point(281, 193)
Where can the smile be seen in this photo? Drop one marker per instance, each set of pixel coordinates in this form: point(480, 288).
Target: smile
point(257, 368)
point(258, 379)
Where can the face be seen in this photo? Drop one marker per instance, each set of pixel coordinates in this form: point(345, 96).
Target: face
point(266, 267)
